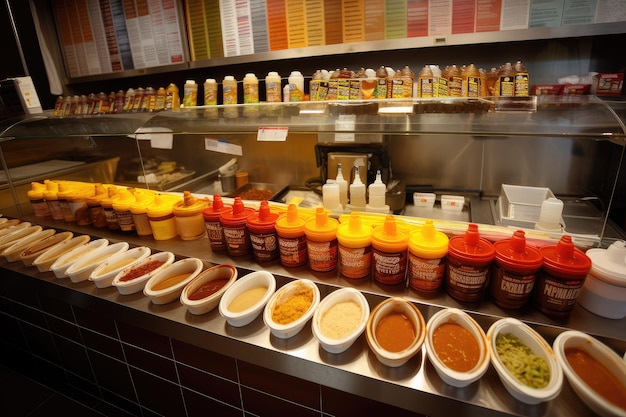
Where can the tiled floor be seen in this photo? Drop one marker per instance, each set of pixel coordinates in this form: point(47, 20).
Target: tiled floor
point(22, 396)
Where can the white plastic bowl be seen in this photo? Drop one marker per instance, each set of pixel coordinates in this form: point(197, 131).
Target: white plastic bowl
point(190, 267)
point(287, 330)
point(204, 305)
point(448, 375)
point(45, 260)
point(29, 255)
point(6, 223)
point(12, 226)
point(392, 305)
point(12, 253)
point(63, 262)
point(342, 295)
point(603, 354)
point(136, 285)
point(81, 269)
point(248, 282)
point(18, 234)
point(539, 347)
point(102, 276)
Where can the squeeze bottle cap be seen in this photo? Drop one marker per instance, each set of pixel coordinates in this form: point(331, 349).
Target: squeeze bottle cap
point(470, 247)
point(565, 260)
point(354, 233)
point(123, 200)
point(609, 265)
point(189, 205)
point(263, 221)
point(427, 242)
point(290, 224)
point(515, 254)
point(36, 191)
point(321, 227)
point(237, 215)
point(214, 211)
point(388, 237)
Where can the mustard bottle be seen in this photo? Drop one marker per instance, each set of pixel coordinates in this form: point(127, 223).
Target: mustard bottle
point(322, 245)
point(188, 216)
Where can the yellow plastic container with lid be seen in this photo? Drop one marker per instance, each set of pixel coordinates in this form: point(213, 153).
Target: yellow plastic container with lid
point(107, 207)
point(322, 245)
point(138, 211)
point(161, 216)
point(355, 247)
point(189, 218)
point(428, 248)
point(52, 199)
point(37, 200)
point(291, 237)
point(389, 252)
point(121, 206)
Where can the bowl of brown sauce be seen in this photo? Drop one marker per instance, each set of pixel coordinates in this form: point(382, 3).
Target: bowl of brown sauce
point(395, 331)
point(457, 347)
point(596, 372)
point(203, 293)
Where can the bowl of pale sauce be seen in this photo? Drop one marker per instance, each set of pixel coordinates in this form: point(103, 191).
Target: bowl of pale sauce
point(203, 293)
point(102, 276)
point(596, 372)
point(246, 298)
point(395, 331)
point(63, 262)
point(340, 319)
point(81, 269)
point(457, 347)
point(166, 285)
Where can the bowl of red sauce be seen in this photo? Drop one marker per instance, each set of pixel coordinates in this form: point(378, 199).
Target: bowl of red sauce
point(596, 372)
point(203, 293)
point(133, 278)
point(457, 347)
point(166, 285)
point(395, 331)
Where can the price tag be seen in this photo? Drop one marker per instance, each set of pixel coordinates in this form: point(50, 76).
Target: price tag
point(222, 146)
point(272, 134)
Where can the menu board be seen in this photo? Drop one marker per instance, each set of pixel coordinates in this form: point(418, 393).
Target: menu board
point(103, 36)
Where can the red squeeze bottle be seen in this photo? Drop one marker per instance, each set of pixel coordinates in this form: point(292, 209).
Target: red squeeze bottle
point(214, 228)
point(235, 230)
point(469, 262)
point(262, 228)
point(561, 278)
point(514, 271)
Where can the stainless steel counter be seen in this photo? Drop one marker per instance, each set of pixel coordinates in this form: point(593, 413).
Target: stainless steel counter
point(414, 386)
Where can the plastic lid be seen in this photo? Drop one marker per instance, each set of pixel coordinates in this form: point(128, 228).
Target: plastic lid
point(470, 247)
point(563, 259)
point(516, 255)
point(189, 205)
point(237, 215)
point(36, 191)
point(290, 224)
point(210, 80)
point(214, 211)
point(142, 201)
point(321, 227)
point(428, 243)
point(263, 220)
point(272, 74)
point(388, 237)
point(123, 200)
point(190, 82)
point(354, 233)
point(162, 205)
point(609, 264)
point(229, 78)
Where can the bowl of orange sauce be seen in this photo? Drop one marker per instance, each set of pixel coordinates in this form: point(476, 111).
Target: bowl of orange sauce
point(166, 285)
point(457, 347)
point(395, 331)
point(203, 293)
point(596, 372)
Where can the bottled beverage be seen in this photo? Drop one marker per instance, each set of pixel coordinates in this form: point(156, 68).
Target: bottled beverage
point(190, 93)
point(210, 92)
point(273, 89)
point(229, 85)
point(492, 78)
point(472, 81)
point(440, 83)
point(149, 100)
point(250, 89)
point(522, 80)
point(425, 83)
point(139, 92)
point(172, 98)
point(296, 86)
point(129, 99)
point(505, 82)
point(58, 107)
point(119, 102)
point(381, 82)
point(159, 104)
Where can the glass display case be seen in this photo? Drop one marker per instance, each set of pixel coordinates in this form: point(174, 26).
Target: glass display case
point(454, 146)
